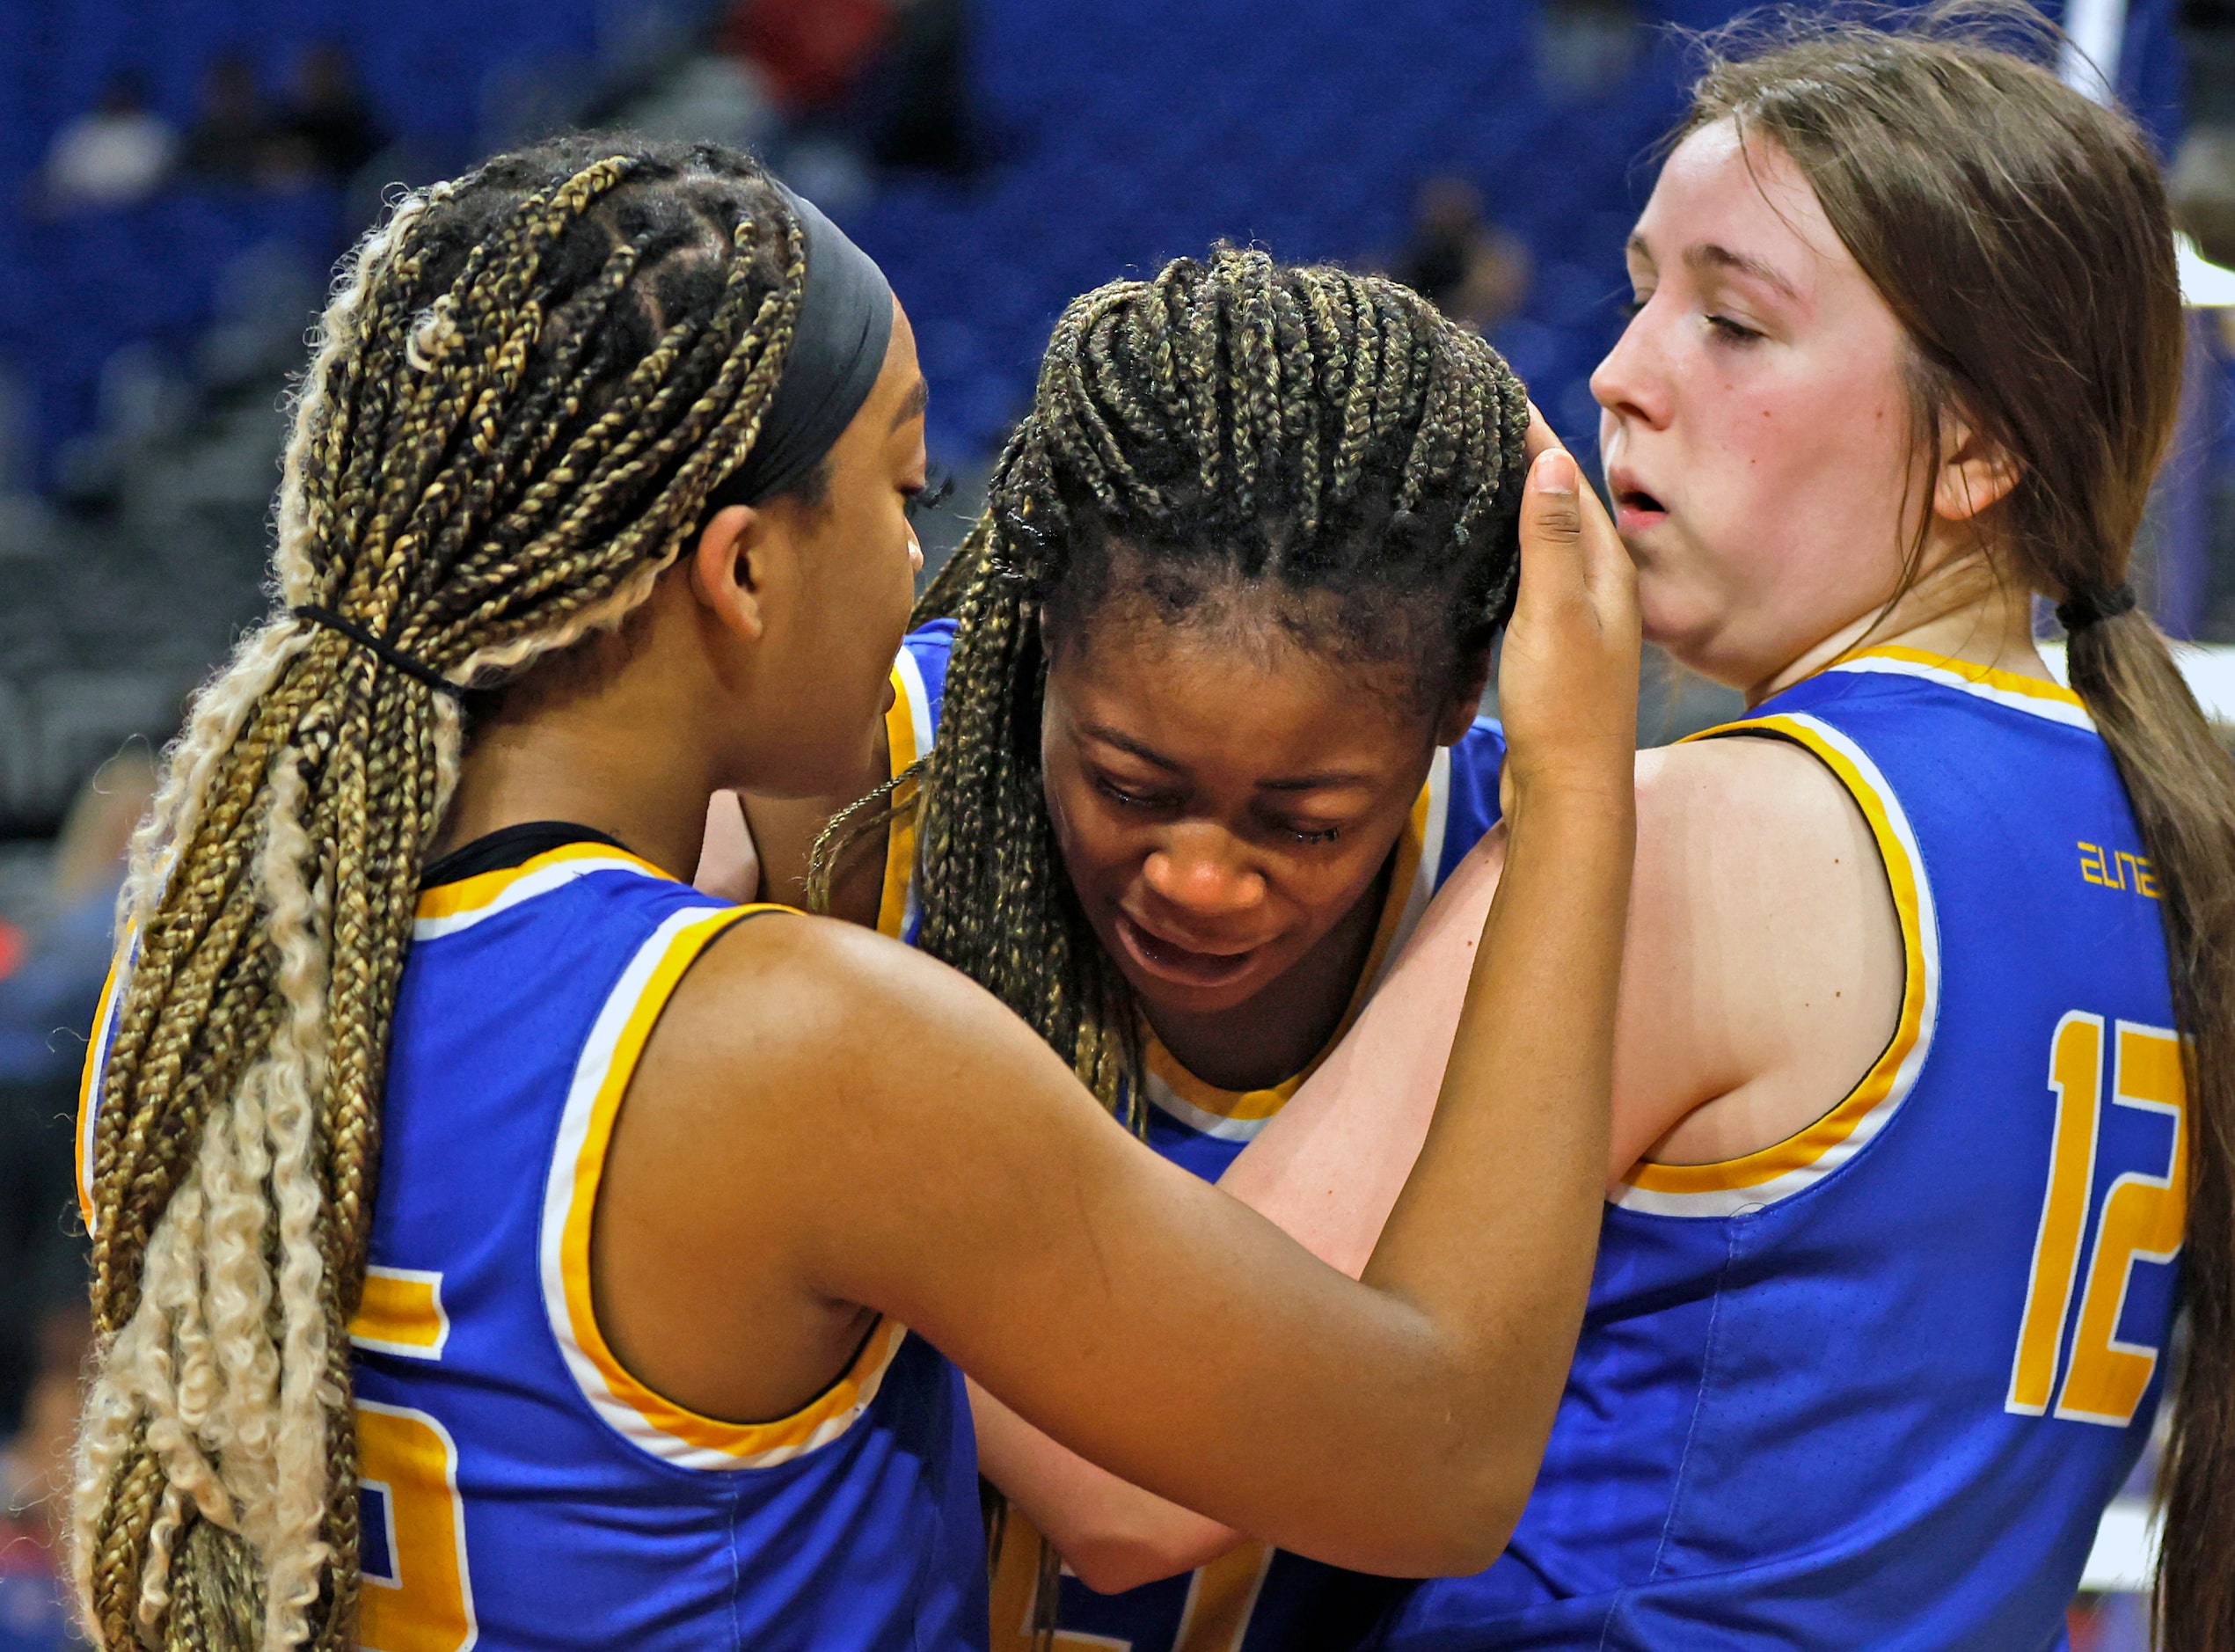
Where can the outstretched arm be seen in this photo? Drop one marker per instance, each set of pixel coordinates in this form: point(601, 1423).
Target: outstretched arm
point(1327, 1171)
point(949, 1171)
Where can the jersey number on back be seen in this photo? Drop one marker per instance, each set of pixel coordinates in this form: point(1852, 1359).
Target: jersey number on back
point(416, 1597)
point(2140, 1219)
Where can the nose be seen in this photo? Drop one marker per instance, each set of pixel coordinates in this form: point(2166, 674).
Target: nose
point(1629, 384)
point(1200, 871)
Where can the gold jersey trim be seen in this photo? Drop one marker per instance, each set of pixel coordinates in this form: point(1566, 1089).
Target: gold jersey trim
point(1733, 1186)
point(646, 1419)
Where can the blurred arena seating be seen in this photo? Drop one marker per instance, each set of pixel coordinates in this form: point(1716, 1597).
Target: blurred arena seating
point(144, 349)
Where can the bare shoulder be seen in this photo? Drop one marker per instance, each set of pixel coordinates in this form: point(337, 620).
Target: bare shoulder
point(790, 990)
point(841, 1041)
point(1764, 970)
point(1761, 785)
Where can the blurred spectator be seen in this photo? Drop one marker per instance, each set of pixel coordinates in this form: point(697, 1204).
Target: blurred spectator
point(702, 97)
point(1473, 272)
point(117, 154)
point(2202, 186)
point(813, 51)
point(1587, 48)
point(328, 131)
point(47, 1006)
point(231, 142)
point(925, 115)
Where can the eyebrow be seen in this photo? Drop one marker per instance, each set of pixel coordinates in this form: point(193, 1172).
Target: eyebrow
point(919, 398)
point(1712, 257)
point(1322, 780)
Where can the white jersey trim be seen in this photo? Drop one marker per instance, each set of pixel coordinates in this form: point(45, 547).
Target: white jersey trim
point(1751, 1183)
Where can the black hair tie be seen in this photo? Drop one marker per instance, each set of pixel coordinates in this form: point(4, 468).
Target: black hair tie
point(387, 651)
point(2083, 608)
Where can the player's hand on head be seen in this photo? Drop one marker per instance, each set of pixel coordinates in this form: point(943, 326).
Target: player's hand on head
point(1567, 674)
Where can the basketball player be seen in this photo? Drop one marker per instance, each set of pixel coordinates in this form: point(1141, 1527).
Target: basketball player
point(501, 1244)
point(1195, 712)
point(1923, 1102)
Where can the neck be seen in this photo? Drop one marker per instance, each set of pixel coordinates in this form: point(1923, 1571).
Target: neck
point(596, 761)
point(1960, 610)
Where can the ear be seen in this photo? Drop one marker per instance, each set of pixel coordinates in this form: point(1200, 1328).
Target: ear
point(1974, 473)
point(1458, 714)
point(728, 574)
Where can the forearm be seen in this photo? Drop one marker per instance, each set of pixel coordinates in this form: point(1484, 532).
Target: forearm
point(1328, 1168)
point(1112, 1533)
point(1522, 1127)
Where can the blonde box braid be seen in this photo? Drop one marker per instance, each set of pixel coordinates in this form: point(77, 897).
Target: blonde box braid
point(526, 384)
point(1325, 436)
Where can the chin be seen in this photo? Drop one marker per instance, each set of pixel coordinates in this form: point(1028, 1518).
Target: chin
point(1683, 622)
point(1194, 1001)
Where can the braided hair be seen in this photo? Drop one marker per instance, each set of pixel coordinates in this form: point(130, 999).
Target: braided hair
point(525, 384)
point(1325, 439)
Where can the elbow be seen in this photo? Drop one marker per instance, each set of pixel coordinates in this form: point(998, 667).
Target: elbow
point(1110, 1566)
point(1462, 1552)
point(1467, 1531)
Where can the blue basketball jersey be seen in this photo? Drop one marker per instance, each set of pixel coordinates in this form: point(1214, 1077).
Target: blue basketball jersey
point(520, 1488)
point(1873, 1386)
point(1256, 1599)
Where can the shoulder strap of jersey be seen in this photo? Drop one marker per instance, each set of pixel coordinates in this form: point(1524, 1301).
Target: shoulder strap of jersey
point(911, 726)
point(89, 1081)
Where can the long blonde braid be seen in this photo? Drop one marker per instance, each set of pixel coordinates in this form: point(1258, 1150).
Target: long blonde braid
point(526, 384)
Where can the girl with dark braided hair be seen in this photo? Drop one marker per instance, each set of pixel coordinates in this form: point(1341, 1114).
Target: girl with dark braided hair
point(1197, 705)
point(499, 1243)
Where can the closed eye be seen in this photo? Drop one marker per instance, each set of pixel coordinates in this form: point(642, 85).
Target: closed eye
point(1731, 331)
point(1129, 798)
point(938, 488)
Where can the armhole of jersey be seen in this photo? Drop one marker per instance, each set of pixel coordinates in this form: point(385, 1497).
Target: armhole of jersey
point(89, 1081)
point(1800, 1161)
point(648, 1420)
point(907, 736)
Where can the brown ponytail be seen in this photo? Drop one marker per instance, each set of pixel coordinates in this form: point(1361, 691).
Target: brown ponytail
point(2021, 233)
point(2182, 784)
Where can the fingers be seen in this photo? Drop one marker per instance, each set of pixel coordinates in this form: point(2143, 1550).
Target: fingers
point(1558, 511)
point(1540, 435)
point(1607, 571)
point(1551, 528)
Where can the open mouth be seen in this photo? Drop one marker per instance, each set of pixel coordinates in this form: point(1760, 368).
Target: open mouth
point(1183, 966)
point(1634, 508)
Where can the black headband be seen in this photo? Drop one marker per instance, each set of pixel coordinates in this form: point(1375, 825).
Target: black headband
point(838, 341)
